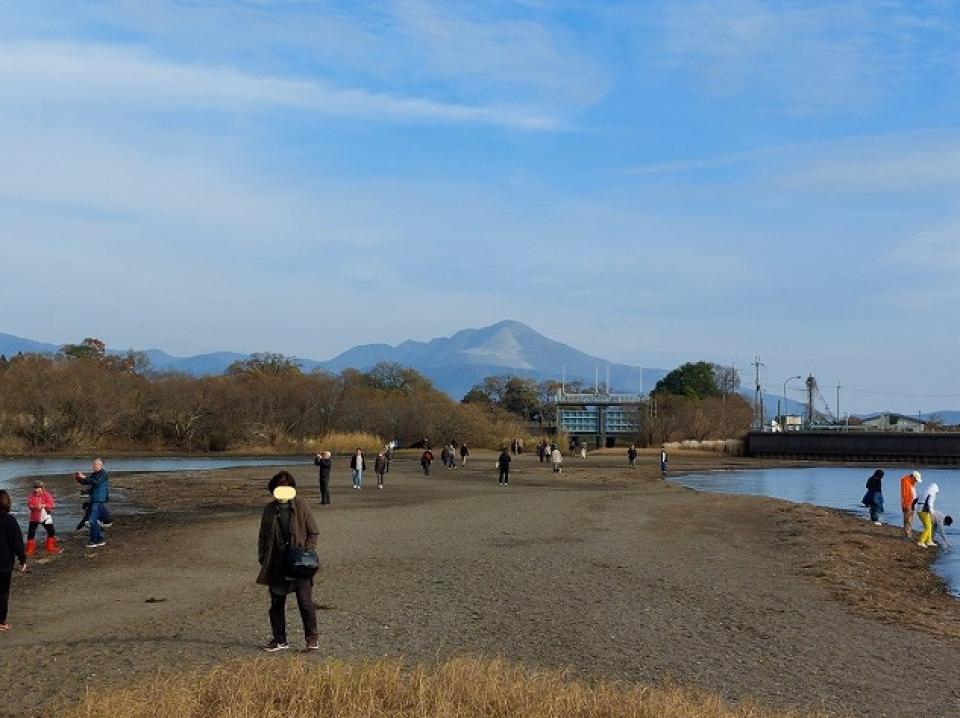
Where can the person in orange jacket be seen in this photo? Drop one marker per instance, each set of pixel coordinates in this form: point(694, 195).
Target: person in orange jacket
point(908, 497)
point(40, 504)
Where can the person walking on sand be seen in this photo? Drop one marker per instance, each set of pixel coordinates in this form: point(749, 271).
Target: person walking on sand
point(908, 498)
point(503, 465)
point(632, 456)
point(325, 464)
point(583, 451)
point(99, 483)
point(464, 453)
point(358, 466)
point(40, 504)
point(286, 523)
point(925, 508)
point(426, 458)
point(380, 468)
point(556, 459)
point(873, 499)
point(388, 454)
point(11, 549)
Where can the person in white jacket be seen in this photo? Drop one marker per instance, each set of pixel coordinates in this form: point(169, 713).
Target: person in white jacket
point(556, 458)
point(925, 509)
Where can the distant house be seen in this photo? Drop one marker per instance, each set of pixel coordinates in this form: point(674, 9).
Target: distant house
point(888, 421)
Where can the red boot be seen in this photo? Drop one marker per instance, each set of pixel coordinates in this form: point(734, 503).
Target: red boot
point(51, 545)
point(31, 547)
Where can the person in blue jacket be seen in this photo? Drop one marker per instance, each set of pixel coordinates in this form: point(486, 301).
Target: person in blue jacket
point(99, 483)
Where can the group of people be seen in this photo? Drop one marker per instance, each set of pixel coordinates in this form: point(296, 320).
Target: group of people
point(40, 508)
point(358, 465)
point(913, 503)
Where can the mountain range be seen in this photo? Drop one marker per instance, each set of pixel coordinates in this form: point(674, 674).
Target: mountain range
point(454, 363)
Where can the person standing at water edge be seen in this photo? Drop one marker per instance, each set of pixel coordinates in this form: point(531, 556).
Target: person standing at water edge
point(99, 483)
point(908, 497)
point(873, 499)
point(286, 522)
point(41, 504)
point(380, 468)
point(325, 464)
point(358, 466)
point(503, 465)
point(11, 547)
point(940, 523)
point(925, 512)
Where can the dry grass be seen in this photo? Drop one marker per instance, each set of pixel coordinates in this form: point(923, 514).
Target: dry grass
point(464, 687)
point(346, 443)
point(733, 447)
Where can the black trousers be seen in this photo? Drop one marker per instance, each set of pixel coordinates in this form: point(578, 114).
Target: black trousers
point(380, 478)
point(32, 530)
point(308, 612)
point(4, 594)
point(325, 490)
point(504, 475)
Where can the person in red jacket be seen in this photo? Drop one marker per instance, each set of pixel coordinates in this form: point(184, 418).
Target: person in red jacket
point(41, 504)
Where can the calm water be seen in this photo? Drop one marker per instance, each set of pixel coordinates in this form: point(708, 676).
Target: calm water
point(14, 473)
point(842, 488)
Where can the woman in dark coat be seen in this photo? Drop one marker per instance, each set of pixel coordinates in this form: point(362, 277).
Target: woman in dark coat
point(873, 499)
point(287, 522)
point(11, 547)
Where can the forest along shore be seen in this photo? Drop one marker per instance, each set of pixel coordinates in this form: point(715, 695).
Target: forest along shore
point(612, 572)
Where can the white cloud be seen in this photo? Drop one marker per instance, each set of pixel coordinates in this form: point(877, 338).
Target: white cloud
point(118, 77)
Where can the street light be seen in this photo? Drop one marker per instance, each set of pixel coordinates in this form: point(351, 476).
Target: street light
point(785, 396)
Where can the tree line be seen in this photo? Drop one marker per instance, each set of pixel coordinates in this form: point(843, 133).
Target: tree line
point(84, 397)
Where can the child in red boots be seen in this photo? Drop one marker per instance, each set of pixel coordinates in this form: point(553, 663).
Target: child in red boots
point(40, 503)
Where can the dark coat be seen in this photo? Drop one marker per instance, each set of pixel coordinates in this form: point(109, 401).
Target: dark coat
point(464, 451)
point(380, 465)
point(303, 534)
point(325, 466)
point(11, 542)
point(353, 463)
point(504, 461)
point(99, 483)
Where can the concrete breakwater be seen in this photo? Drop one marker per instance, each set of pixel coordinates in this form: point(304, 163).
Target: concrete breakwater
point(932, 448)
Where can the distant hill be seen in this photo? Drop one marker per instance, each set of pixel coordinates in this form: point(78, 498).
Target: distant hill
point(453, 363)
point(11, 346)
point(458, 362)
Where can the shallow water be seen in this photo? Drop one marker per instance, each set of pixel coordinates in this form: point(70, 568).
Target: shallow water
point(14, 475)
point(842, 488)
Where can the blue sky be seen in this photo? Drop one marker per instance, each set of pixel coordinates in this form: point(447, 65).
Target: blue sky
point(652, 182)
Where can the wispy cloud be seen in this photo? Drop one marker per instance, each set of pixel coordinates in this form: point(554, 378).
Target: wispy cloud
point(808, 57)
point(130, 78)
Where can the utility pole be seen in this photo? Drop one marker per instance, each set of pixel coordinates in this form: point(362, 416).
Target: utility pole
point(757, 394)
point(811, 387)
point(838, 401)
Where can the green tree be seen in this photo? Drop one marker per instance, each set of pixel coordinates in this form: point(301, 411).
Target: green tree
point(694, 380)
point(265, 364)
point(89, 348)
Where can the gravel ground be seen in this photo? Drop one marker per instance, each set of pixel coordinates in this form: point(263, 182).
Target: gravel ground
point(604, 570)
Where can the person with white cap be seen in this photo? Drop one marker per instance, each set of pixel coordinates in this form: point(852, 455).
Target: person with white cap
point(925, 510)
point(908, 497)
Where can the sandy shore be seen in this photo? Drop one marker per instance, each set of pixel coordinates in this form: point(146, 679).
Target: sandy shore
point(611, 572)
